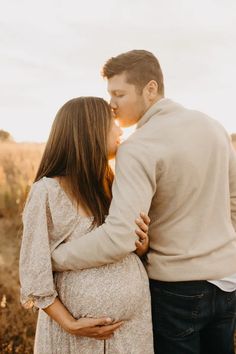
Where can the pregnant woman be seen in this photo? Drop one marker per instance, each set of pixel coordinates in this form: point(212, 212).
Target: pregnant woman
point(71, 195)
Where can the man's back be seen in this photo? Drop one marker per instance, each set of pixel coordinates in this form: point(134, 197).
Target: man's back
point(191, 227)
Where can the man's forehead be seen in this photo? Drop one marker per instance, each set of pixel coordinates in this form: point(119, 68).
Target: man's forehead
point(118, 83)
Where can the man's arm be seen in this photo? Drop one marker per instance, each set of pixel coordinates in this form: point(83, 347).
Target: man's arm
point(133, 189)
point(232, 180)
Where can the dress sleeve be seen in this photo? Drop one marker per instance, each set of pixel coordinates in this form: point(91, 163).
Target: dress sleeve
point(36, 277)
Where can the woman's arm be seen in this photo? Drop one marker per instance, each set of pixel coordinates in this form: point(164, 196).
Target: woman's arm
point(36, 277)
point(98, 328)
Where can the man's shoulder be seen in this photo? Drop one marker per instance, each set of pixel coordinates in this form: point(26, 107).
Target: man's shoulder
point(127, 146)
point(139, 147)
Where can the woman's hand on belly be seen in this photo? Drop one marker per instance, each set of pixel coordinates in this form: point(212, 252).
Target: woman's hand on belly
point(98, 328)
point(101, 328)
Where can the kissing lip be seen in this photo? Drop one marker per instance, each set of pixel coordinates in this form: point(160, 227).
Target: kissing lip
point(114, 112)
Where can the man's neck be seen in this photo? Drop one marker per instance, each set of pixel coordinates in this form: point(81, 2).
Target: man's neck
point(157, 99)
point(151, 109)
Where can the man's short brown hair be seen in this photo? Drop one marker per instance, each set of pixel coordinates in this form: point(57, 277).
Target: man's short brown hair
point(140, 67)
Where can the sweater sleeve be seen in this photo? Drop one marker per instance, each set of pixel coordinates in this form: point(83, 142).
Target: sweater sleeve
point(232, 184)
point(133, 189)
point(36, 277)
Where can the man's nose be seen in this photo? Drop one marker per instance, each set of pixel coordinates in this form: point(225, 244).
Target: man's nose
point(113, 104)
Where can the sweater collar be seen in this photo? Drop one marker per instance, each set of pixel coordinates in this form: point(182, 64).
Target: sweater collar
point(156, 108)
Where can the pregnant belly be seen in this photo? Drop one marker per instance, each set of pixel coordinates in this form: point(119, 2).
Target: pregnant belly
point(114, 290)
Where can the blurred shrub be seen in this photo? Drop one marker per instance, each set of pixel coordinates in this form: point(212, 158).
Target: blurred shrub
point(5, 136)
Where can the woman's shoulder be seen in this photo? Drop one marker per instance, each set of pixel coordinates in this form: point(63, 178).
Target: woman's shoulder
point(44, 185)
point(37, 189)
point(42, 190)
point(45, 194)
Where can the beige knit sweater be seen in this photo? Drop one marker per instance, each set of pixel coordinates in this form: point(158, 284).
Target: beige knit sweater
point(180, 167)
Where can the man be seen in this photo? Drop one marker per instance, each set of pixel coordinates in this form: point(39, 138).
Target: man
point(179, 166)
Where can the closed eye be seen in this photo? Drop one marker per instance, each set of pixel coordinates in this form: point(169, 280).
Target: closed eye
point(117, 93)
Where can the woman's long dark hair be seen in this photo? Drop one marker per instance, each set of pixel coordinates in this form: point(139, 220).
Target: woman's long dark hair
point(77, 149)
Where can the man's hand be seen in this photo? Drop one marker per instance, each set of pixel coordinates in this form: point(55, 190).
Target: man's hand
point(101, 328)
point(143, 243)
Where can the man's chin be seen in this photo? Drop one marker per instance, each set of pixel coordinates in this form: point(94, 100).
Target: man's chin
point(125, 123)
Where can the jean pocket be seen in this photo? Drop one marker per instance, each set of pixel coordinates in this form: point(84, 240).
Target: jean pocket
point(175, 314)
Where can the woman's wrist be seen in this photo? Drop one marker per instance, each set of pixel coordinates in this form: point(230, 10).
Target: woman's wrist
point(69, 324)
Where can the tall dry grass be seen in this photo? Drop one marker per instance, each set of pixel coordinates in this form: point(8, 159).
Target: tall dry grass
point(18, 165)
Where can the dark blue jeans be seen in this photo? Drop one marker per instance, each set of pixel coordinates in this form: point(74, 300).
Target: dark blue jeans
point(192, 317)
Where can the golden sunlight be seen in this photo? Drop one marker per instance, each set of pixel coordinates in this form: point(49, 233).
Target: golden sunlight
point(127, 132)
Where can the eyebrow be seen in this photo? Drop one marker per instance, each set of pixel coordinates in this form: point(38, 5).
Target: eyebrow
point(116, 91)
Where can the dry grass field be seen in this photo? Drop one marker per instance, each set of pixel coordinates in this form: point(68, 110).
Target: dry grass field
point(18, 164)
point(17, 324)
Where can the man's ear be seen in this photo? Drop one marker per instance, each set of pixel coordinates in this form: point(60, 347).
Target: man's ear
point(151, 90)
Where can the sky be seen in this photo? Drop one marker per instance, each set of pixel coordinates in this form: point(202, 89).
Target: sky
point(52, 51)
